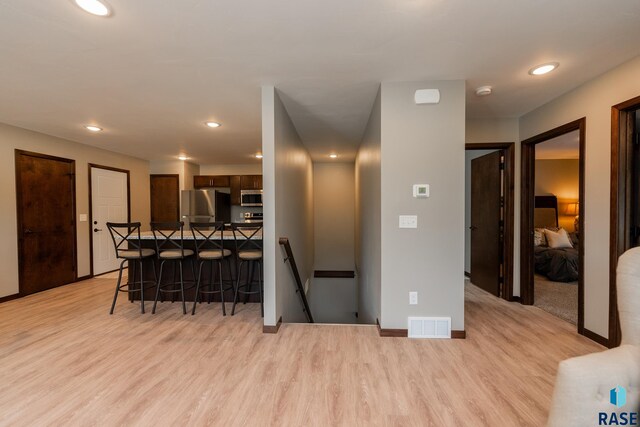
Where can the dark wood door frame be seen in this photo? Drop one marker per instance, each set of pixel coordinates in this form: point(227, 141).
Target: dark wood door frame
point(90, 219)
point(621, 170)
point(526, 214)
point(72, 162)
point(509, 150)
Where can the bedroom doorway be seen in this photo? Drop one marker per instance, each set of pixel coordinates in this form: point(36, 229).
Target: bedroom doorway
point(625, 196)
point(489, 208)
point(552, 254)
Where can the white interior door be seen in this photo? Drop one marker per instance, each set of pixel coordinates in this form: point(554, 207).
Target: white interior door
point(109, 203)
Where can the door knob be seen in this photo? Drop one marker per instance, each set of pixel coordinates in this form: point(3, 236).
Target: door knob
point(28, 231)
point(473, 228)
point(97, 229)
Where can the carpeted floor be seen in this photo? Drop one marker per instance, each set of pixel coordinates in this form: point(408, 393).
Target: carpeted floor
point(557, 298)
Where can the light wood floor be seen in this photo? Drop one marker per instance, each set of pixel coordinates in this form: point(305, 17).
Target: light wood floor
point(65, 361)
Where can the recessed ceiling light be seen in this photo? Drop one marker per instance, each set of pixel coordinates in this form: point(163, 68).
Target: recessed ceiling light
point(333, 156)
point(259, 156)
point(93, 128)
point(212, 124)
point(543, 69)
point(484, 90)
point(183, 158)
point(94, 7)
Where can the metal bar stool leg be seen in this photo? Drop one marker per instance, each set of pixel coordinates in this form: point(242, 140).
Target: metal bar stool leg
point(158, 285)
point(131, 280)
point(224, 311)
point(141, 288)
point(235, 296)
point(249, 284)
point(211, 277)
point(115, 297)
point(197, 297)
point(184, 304)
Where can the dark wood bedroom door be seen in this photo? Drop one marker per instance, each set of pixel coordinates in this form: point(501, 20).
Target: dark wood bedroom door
point(486, 194)
point(45, 188)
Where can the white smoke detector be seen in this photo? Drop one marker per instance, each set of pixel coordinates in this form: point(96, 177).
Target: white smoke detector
point(484, 90)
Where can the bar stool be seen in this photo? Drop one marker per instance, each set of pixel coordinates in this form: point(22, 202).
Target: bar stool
point(129, 233)
point(209, 241)
point(169, 239)
point(249, 252)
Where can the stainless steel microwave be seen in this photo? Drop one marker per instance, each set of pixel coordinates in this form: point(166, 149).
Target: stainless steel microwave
point(251, 197)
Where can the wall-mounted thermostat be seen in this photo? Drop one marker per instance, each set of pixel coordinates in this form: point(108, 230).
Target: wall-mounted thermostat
point(420, 190)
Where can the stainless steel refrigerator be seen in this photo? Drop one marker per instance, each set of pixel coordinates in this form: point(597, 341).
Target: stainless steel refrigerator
point(205, 206)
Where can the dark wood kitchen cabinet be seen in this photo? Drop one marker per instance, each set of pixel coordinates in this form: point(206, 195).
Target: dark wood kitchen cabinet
point(236, 183)
point(208, 181)
point(251, 182)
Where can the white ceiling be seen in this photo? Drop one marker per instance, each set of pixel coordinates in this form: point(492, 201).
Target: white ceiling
point(565, 146)
point(156, 70)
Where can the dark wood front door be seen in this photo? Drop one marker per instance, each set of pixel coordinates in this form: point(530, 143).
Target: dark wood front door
point(486, 192)
point(45, 189)
point(165, 198)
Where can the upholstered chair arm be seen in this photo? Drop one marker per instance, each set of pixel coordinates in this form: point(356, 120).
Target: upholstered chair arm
point(583, 385)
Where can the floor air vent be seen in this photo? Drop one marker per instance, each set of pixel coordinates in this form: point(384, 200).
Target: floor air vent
point(429, 327)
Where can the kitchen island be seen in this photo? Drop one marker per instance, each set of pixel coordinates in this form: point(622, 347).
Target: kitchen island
point(171, 270)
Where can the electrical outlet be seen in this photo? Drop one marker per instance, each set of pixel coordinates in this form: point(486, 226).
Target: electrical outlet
point(413, 298)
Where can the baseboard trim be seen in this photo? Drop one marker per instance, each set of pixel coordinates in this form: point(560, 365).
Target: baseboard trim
point(466, 274)
point(9, 298)
point(87, 277)
point(270, 329)
point(595, 337)
point(459, 335)
point(396, 333)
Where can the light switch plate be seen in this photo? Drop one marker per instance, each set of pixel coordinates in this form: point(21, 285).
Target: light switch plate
point(408, 221)
point(83, 217)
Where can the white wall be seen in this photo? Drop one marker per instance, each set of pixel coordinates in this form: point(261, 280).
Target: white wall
point(288, 212)
point(185, 170)
point(368, 225)
point(12, 138)
point(423, 144)
point(469, 155)
point(592, 100)
point(334, 215)
point(503, 130)
point(334, 300)
point(239, 169)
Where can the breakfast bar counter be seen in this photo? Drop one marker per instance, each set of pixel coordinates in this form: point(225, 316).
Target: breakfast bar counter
point(190, 264)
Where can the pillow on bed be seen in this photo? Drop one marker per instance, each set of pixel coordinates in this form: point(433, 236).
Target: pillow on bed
point(538, 237)
point(557, 240)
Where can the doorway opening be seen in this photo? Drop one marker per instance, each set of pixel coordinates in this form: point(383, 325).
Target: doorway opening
point(46, 205)
point(109, 201)
point(625, 196)
point(552, 226)
point(489, 217)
